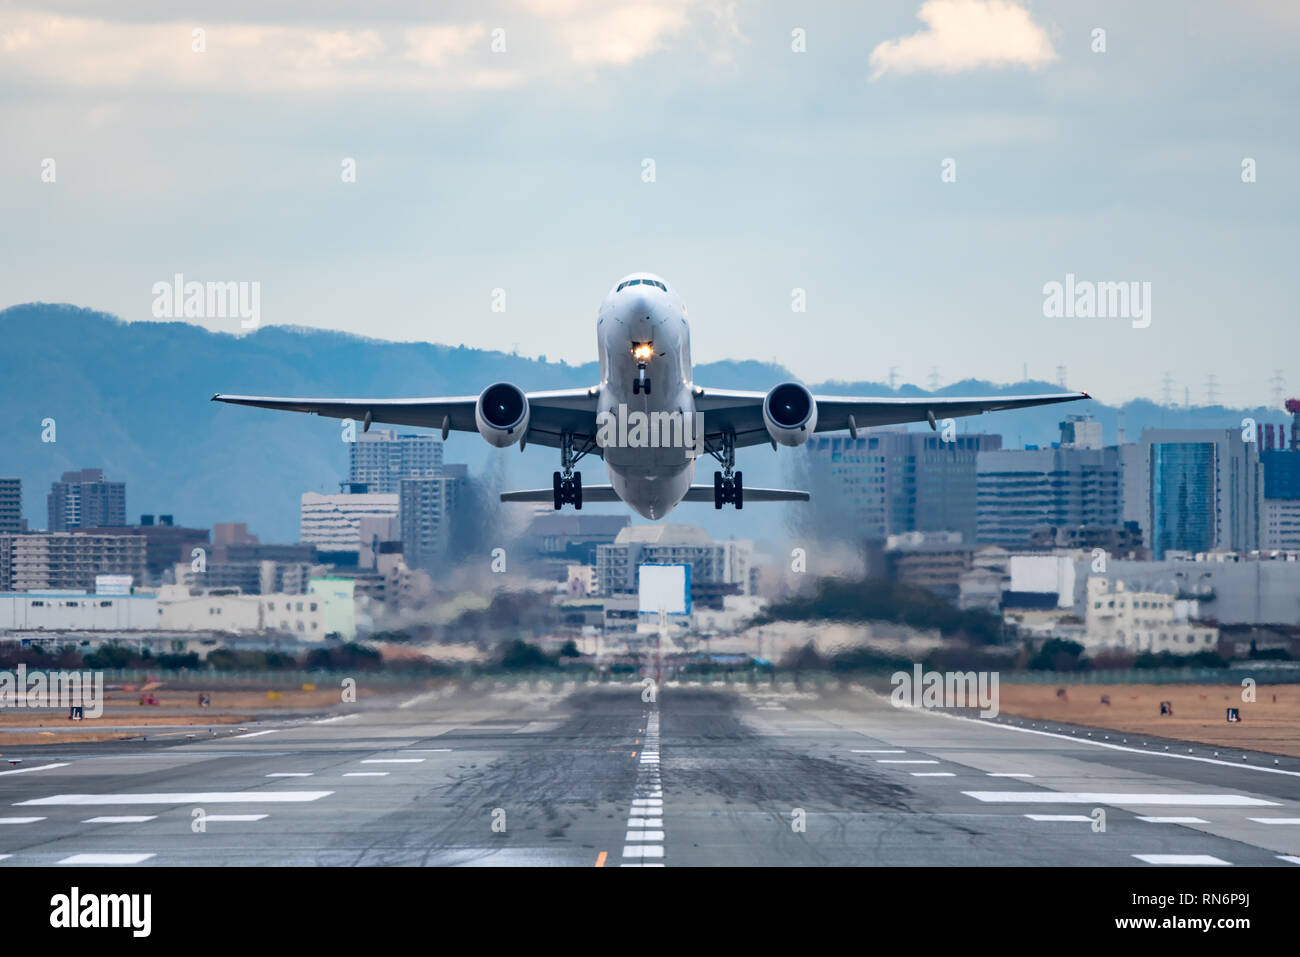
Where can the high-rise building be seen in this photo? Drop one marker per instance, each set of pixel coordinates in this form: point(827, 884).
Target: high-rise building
point(381, 458)
point(67, 560)
point(332, 522)
point(1281, 513)
point(1024, 490)
point(11, 506)
point(427, 507)
point(85, 500)
point(1205, 490)
point(888, 482)
point(1080, 432)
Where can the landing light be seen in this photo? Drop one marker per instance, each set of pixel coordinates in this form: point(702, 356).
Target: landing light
point(642, 351)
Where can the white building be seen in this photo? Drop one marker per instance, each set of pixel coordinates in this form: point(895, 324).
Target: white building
point(327, 609)
point(1143, 620)
point(333, 522)
point(77, 611)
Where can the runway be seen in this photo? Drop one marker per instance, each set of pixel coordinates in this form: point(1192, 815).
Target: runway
point(553, 773)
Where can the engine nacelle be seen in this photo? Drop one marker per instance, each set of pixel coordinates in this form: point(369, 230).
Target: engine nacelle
point(501, 414)
point(790, 414)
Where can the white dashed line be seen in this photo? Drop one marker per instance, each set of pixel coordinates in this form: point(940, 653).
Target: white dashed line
point(337, 717)
point(42, 767)
point(289, 774)
point(1108, 797)
point(648, 836)
point(256, 734)
point(647, 802)
point(121, 819)
point(1276, 820)
point(93, 859)
point(644, 850)
point(878, 751)
point(933, 774)
point(1288, 858)
point(1193, 860)
point(427, 750)
point(1073, 818)
point(182, 797)
point(901, 761)
point(1173, 820)
point(1009, 774)
point(366, 774)
point(234, 818)
point(392, 760)
point(645, 822)
point(20, 820)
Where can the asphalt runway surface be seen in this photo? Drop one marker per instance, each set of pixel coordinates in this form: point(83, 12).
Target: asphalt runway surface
point(555, 773)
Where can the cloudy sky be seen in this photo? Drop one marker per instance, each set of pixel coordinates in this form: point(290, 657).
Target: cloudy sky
point(504, 146)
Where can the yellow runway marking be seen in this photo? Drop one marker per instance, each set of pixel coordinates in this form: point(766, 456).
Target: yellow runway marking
point(600, 859)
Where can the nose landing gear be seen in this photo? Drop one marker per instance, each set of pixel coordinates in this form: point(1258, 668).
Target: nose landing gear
point(641, 383)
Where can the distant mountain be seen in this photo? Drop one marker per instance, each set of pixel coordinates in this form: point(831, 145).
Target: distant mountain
point(133, 398)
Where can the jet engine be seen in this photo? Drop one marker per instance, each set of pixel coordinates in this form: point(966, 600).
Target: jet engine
point(501, 414)
point(790, 414)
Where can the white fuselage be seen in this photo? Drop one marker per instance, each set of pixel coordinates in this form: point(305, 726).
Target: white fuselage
point(651, 479)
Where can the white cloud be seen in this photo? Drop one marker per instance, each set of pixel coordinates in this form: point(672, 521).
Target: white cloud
point(83, 52)
point(966, 35)
point(595, 32)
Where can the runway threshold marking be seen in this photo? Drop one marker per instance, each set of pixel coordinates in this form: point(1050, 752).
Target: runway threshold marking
point(1111, 797)
point(1186, 860)
point(180, 797)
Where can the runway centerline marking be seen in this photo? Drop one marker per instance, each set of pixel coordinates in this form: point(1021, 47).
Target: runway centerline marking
point(877, 751)
point(392, 760)
point(1009, 774)
point(365, 774)
point(650, 836)
point(904, 761)
point(1073, 818)
point(1173, 820)
point(121, 819)
point(180, 797)
point(289, 774)
point(1276, 820)
point(1112, 797)
point(20, 820)
point(337, 717)
point(256, 734)
point(234, 818)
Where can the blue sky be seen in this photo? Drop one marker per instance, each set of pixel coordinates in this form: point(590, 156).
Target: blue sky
point(522, 169)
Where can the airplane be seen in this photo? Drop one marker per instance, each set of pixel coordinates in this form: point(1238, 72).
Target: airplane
point(648, 418)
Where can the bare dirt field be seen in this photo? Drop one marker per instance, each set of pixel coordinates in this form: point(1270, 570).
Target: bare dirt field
point(126, 717)
point(1271, 723)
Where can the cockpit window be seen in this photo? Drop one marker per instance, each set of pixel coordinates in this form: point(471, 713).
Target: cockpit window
point(641, 282)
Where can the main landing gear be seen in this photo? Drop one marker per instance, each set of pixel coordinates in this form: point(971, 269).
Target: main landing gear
point(728, 485)
point(567, 484)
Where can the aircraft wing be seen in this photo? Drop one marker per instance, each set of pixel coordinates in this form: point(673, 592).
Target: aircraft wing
point(572, 410)
point(742, 412)
point(697, 493)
